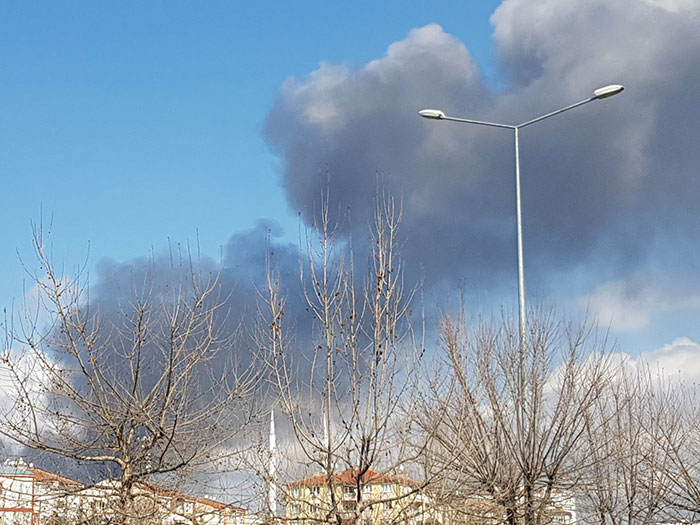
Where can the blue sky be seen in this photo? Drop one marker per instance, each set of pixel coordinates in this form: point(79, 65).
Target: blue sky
point(132, 123)
point(138, 122)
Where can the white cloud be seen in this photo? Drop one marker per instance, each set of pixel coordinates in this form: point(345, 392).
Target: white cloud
point(631, 304)
point(678, 359)
point(674, 6)
point(675, 363)
point(24, 370)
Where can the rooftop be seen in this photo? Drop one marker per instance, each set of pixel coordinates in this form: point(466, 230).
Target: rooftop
point(350, 477)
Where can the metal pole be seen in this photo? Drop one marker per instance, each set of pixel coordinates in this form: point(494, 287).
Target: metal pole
point(522, 410)
point(604, 92)
point(521, 268)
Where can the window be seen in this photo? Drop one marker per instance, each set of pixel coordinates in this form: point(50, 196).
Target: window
point(386, 505)
point(386, 487)
point(316, 490)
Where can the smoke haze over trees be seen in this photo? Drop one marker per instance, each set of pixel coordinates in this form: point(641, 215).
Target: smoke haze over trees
point(610, 202)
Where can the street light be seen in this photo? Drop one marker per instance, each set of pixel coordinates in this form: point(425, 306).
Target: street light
point(598, 94)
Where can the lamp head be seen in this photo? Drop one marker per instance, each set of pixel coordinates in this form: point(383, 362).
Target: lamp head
point(431, 113)
point(607, 91)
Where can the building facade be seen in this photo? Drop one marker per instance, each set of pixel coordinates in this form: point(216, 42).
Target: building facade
point(32, 496)
point(368, 499)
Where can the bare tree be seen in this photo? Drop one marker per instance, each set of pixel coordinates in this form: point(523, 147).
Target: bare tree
point(507, 446)
point(348, 398)
point(626, 451)
point(676, 435)
point(151, 390)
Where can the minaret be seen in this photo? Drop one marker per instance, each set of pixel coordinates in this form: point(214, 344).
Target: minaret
point(272, 468)
point(327, 446)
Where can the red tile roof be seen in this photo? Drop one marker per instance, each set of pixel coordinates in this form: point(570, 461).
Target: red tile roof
point(163, 491)
point(350, 477)
point(44, 476)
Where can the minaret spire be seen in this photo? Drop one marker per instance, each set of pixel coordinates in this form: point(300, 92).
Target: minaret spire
point(272, 468)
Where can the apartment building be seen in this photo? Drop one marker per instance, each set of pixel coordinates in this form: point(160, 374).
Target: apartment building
point(369, 499)
point(30, 495)
point(33, 496)
point(387, 499)
point(481, 509)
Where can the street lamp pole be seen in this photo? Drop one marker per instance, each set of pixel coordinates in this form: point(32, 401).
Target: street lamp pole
point(598, 94)
point(522, 324)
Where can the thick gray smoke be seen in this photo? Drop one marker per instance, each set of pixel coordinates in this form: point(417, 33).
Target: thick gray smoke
point(607, 188)
point(241, 280)
point(600, 184)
